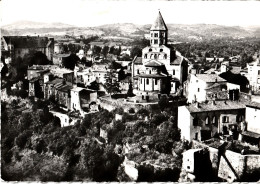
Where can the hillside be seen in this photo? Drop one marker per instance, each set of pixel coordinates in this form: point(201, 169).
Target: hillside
point(178, 32)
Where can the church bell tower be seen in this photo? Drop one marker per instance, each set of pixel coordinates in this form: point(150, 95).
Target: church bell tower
point(158, 32)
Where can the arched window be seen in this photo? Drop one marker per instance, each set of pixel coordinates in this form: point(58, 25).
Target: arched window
point(151, 56)
point(150, 50)
point(165, 56)
point(145, 56)
point(147, 81)
point(155, 56)
point(161, 50)
point(155, 81)
point(173, 72)
point(137, 71)
point(150, 71)
point(207, 120)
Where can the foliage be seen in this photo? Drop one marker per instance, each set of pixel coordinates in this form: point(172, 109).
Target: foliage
point(112, 85)
point(70, 62)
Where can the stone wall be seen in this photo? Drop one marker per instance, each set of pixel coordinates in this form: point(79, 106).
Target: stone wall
point(232, 166)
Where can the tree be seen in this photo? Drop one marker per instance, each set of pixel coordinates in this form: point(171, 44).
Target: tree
point(105, 50)
point(163, 103)
point(130, 90)
point(70, 62)
point(111, 85)
point(136, 51)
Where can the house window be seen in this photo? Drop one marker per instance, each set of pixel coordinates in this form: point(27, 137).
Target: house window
point(137, 71)
point(155, 34)
point(155, 81)
point(195, 121)
point(147, 81)
point(198, 89)
point(207, 120)
point(258, 72)
point(155, 41)
point(151, 34)
point(214, 120)
point(225, 119)
point(173, 72)
point(141, 81)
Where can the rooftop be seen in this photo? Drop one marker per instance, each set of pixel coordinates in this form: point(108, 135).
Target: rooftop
point(210, 77)
point(217, 106)
point(159, 23)
point(254, 105)
point(138, 60)
point(153, 63)
point(152, 75)
point(177, 61)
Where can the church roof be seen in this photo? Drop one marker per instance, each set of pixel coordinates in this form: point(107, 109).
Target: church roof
point(159, 23)
point(138, 60)
point(153, 63)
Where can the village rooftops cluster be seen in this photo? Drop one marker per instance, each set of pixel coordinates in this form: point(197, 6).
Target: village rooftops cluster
point(210, 78)
point(215, 106)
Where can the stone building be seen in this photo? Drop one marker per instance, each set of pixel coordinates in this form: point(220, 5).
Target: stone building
point(160, 69)
point(201, 121)
point(253, 75)
point(18, 46)
point(251, 130)
point(199, 86)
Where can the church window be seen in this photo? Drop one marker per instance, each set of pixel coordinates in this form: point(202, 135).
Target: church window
point(155, 56)
point(161, 50)
point(147, 81)
point(150, 50)
point(155, 41)
point(155, 34)
point(151, 56)
point(145, 56)
point(165, 56)
point(207, 120)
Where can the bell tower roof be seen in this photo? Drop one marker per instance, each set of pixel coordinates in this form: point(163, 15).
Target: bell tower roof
point(159, 23)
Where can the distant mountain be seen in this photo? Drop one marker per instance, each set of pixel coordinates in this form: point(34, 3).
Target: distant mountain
point(34, 25)
point(177, 32)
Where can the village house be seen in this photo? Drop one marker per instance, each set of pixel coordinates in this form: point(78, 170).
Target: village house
point(202, 87)
point(59, 58)
point(251, 130)
point(253, 75)
point(37, 75)
point(201, 121)
point(18, 46)
point(160, 69)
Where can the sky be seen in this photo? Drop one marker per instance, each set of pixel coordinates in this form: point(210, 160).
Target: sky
point(84, 13)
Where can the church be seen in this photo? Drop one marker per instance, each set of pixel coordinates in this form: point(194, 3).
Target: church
point(161, 69)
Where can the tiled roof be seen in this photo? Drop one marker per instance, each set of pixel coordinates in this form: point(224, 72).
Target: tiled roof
point(177, 61)
point(55, 81)
point(65, 88)
point(218, 105)
point(151, 75)
point(61, 55)
point(210, 78)
point(253, 104)
point(251, 134)
point(153, 63)
point(159, 23)
point(28, 41)
point(138, 60)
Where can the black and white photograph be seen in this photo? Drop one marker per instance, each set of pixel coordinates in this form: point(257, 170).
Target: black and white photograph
point(130, 91)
